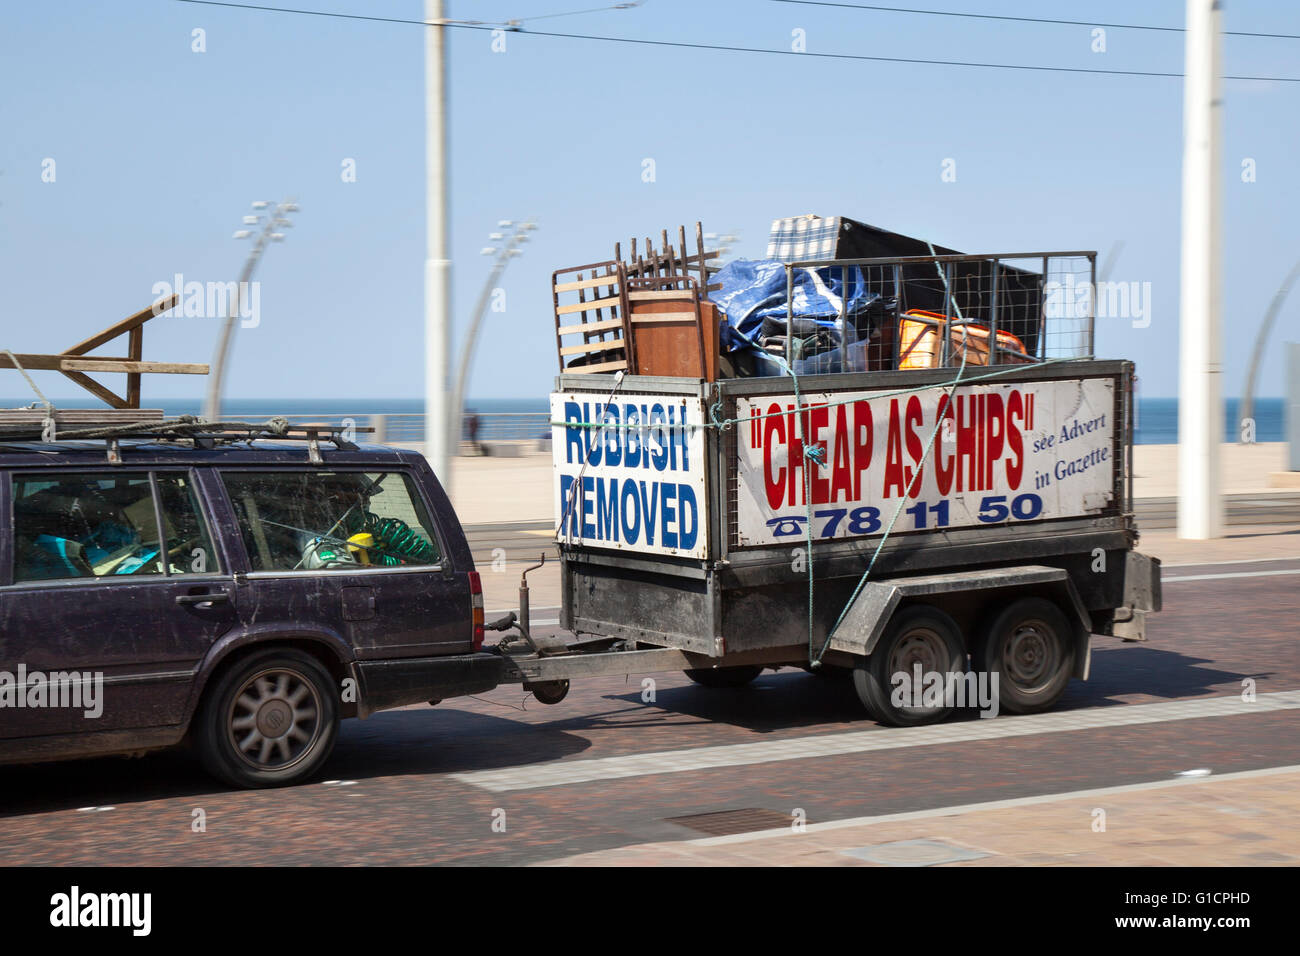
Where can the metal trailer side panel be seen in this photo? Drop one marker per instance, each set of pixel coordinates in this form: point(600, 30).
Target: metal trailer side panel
point(746, 600)
point(616, 600)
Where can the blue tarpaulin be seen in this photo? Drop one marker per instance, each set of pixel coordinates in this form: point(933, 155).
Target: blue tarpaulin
point(754, 289)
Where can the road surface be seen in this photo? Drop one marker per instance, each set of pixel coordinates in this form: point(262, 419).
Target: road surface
point(502, 779)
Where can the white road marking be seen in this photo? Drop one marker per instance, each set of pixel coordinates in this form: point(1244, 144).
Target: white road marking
point(1215, 564)
point(1099, 793)
point(563, 772)
point(1226, 574)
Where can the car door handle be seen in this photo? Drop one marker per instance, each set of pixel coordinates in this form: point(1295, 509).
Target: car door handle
point(203, 600)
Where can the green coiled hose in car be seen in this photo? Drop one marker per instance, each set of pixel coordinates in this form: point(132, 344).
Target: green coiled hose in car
point(394, 539)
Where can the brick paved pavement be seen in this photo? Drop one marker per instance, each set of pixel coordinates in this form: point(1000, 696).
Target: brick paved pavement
point(1248, 819)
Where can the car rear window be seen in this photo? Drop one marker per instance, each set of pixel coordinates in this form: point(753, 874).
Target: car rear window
point(328, 520)
point(105, 525)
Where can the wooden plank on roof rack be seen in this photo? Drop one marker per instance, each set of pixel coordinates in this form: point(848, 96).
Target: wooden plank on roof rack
point(101, 392)
point(95, 363)
point(80, 417)
point(75, 362)
point(126, 325)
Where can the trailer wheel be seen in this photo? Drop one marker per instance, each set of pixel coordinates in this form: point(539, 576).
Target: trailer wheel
point(723, 676)
point(917, 635)
point(1028, 646)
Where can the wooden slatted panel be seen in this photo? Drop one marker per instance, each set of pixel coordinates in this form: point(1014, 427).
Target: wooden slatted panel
point(666, 317)
point(620, 365)
point(649, 296)
point(592, 347)
point(603, 325)
point(586, 306)
point(599, 321)
point(584, 284)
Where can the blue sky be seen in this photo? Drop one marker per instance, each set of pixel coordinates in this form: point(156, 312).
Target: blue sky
point(159, 150)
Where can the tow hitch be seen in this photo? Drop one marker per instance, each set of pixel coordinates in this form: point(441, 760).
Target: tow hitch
point(550, 691)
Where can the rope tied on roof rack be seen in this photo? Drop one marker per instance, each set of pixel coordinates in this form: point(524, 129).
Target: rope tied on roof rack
point(192, 426)
point(47, 430)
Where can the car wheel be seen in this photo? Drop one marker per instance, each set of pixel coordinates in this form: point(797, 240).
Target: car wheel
point(1028, 646)
point(921, 636)
point(723, 676)
point(268, 721)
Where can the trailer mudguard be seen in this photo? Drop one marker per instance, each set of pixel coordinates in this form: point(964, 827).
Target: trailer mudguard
point(864, 621)
point(1142, 595)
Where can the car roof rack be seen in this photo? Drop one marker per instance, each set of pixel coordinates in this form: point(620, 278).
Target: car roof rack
point(111, 427)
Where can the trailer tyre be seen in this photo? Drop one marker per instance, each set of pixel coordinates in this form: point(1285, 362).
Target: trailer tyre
point(1028, 645)
point(721, 677)
point(918, 635)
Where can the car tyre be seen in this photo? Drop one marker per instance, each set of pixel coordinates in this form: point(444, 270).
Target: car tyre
point(270, 720)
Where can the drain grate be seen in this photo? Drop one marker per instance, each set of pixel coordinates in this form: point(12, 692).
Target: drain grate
point(914, 853)
point(727, 822)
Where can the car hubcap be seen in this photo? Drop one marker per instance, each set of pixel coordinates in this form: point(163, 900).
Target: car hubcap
point(275, 719)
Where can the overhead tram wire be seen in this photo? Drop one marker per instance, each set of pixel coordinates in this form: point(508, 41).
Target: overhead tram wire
point(994, 16)
point(682, 44)
point(630, 4)
point(511, 24)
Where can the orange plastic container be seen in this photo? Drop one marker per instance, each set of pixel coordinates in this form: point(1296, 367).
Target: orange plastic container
point(918, 345)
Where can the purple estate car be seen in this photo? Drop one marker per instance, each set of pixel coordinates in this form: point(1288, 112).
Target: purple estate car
point(244, 596)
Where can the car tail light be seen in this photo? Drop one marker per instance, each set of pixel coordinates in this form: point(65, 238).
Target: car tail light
point(476, 602)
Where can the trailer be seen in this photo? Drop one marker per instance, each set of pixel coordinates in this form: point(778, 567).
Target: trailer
point(950, 536)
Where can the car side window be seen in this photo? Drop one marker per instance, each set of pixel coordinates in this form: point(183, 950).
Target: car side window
point(189, 545)
point(322, 520)
point(104, 524)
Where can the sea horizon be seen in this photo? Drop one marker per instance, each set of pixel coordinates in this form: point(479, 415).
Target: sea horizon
point(1157, 417)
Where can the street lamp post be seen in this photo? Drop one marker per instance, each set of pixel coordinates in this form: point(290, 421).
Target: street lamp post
point(275, 221)
point(437, 266)
point(503, 256)
point(1200, 410)
point(1248, 396)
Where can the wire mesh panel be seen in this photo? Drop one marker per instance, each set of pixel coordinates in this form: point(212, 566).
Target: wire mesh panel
point(931, 311)
point(1069, 306)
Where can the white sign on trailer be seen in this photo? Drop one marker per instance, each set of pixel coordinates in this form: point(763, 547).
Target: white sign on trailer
point(1004, 453)
point(630, 472)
